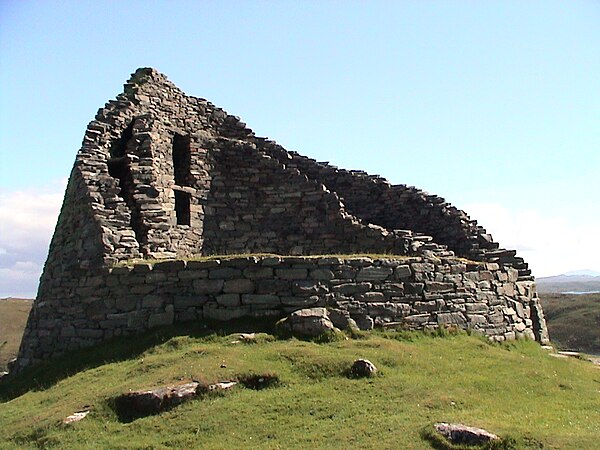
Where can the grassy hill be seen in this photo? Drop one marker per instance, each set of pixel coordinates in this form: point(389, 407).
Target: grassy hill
point(515, 390)
point(573, 321)
point(13, 316)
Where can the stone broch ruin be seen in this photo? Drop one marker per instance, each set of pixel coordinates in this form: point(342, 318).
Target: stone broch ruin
point(163, 178)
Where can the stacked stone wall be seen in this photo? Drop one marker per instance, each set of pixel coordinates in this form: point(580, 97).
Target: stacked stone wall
point(413, 293)
point(257, 204)
point(376, 201)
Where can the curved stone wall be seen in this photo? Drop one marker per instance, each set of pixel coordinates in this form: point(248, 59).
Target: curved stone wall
point(414, 293)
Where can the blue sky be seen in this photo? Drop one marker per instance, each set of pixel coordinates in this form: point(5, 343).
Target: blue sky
point(494, 105)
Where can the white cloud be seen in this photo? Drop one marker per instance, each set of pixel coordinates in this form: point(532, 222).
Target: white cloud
point(27, 221)
point(551, 243)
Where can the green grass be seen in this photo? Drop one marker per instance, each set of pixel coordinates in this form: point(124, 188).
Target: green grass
point(514, 390)
point(573, 321)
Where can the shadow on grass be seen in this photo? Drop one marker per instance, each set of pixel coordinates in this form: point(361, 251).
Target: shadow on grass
point(118, 349)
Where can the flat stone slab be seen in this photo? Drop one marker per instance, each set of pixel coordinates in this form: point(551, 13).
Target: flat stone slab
point(142, 403)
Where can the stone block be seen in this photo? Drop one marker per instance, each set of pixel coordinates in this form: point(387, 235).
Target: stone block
point(308, 288)
point(258, 273)
point(189, 301)
point(402, 272)
point(458, 268)
point(430, 306)
point(238, 286)
point(476, 319)
point(213, 312)
point(229, 300)
point(162, 319)
point(142, 289)
point(225, 273)
point(300, 301)
point(291, 274)
point(273, 287)
point(120, 270)
point(422, 267)
point(170, 266)
point(205, 286)
point(352, 288)
point(513, 274)
point(417, 319)
point(520, 326)
point(90, 333)
point(486, 275)
point(152, 301)
point(369, 297)
point(471, 276)
point(203, 264)
point(414, 288)
point(374, 273)
point(261, 299)
point(393, 289)
point(126, 303)
point(477, 308)
point(190, 274)
point(453, 318)
point(434, 286)
point(484, 285)
point(321, 274)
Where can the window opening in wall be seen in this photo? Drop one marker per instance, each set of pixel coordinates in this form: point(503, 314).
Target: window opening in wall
point(119, 147)
point(119, 167)
point(181, 160)
point(182, 207)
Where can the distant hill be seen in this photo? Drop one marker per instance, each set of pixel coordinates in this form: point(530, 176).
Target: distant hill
point(573, 321)
point(13, 316)
point(568, 283)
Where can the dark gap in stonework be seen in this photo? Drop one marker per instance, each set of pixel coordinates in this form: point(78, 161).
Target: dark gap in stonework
point(119, 167)
point(182, 161)
point(182, 207)
point(119, 148)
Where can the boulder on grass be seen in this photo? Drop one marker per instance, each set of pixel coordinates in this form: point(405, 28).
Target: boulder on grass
point(146, 402)
point(309, 322)
point(458, 433)
point(135, 404)
point(363, 368)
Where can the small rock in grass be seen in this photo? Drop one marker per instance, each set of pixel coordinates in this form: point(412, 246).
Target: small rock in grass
point(458, 433)
point(76, 416)
point(362, 368)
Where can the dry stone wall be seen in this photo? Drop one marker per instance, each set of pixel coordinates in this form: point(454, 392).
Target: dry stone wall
point(413, 293)
point(393, 207)
point(162, 175)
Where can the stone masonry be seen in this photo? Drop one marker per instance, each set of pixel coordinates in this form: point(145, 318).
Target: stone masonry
point(166, 176)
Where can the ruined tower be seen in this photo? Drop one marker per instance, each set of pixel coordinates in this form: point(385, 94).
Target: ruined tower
point(166, 176)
